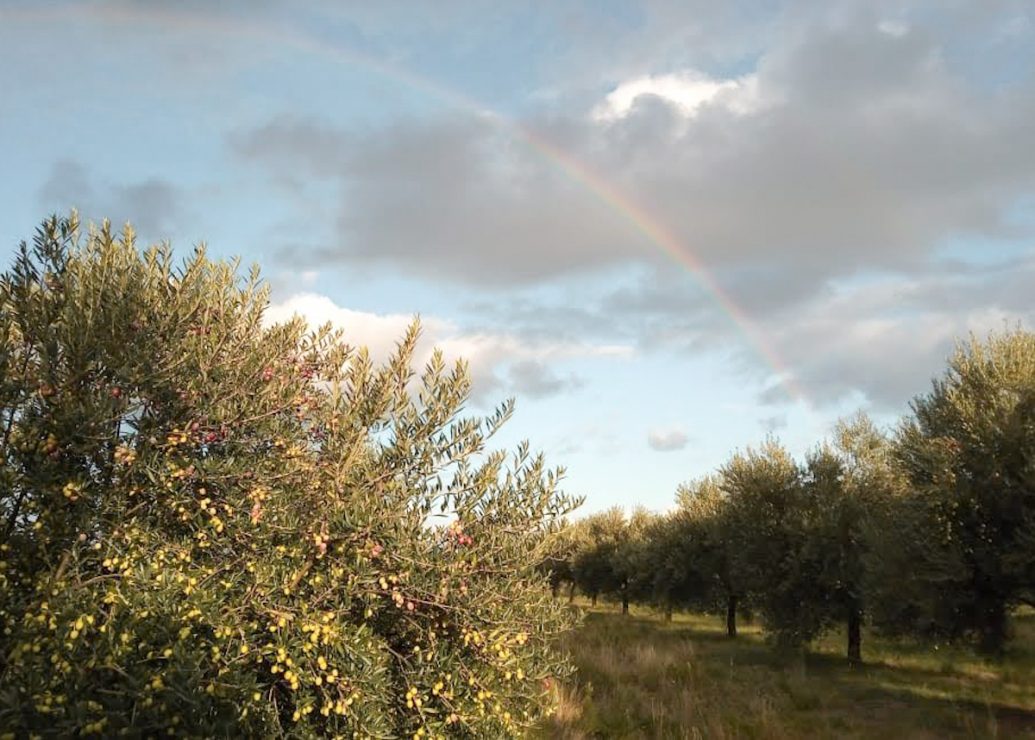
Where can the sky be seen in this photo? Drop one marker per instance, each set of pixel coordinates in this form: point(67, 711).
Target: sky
point(668, 229)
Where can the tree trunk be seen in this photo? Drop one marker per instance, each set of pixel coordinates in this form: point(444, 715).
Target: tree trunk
point(553, 589)
point(854, 636)
point(593, 599)
point(731, 616)
point(668, 611)
point(625, 602)
point(571, 593)
point(994, 629)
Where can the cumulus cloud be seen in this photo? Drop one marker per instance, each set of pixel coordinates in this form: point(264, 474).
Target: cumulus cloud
point(687, 91)
point(667, 439)
point(499, 363)
point(379, 333)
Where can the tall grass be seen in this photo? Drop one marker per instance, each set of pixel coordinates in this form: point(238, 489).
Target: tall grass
point(639, 676)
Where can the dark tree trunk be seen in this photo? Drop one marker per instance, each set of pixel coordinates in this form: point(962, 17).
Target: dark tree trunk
point(553, 588)
point(593, 599)
point(994, 629)
point(731, 616)
point(625, 602)
point(854, 636)
point(571, 593)
point(668, 611)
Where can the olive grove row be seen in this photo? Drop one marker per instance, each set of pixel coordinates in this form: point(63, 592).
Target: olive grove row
point(928, 530)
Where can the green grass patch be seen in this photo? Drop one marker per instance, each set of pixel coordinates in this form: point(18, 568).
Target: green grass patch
point(640, 677)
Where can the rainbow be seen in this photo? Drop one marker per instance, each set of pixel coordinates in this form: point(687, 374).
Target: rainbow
point(660, 235)
point(624, 205)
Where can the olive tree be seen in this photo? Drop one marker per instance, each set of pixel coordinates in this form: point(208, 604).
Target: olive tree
point(594, 563)
point(968, 450)
point(216, 526)
point(608, 561)
point(851, 519)
point(715, 578)
point(559, 563)
point(768, 531)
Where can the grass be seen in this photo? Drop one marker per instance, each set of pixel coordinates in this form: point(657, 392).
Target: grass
point(639, 677)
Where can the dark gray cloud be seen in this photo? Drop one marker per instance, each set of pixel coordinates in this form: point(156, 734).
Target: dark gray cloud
point(457, 199)
point(289, 145)
point(154, 206)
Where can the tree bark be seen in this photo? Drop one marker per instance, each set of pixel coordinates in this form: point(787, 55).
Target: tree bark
point(571, 593)
point(668, 611)
point(731, 616)
point(553, 589)
point(625, 602)
point(854, 636)
point(593, 599)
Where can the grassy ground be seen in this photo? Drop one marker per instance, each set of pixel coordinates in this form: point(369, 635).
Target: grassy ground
point(639, 677)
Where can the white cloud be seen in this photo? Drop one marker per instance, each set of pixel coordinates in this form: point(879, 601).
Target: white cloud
point(668, 439)
point(896, 29)
point(377, 332)
point(686, 91)
point(887, 337)
point(499, 363)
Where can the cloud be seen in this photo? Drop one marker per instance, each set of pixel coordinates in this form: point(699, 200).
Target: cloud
point(687, 91)
point(667, 439)
point(379, 333)
point(869, 153)
point(154, 206)
point(534, 379)
point(887, 337)
point(456, 199)
point(813, 186)
point(774, 423)
point(499, 363)
point(893, 28)
point(288, 145)
point(882, 336)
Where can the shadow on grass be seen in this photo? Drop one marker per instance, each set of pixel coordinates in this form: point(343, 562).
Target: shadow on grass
point(640, 677)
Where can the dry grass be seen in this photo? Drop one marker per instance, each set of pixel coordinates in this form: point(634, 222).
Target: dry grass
point(642, 678)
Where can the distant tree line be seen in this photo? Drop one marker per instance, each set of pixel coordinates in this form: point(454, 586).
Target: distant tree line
point(927, 531)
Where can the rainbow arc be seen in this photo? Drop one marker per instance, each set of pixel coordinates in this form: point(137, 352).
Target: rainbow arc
point(636, 215)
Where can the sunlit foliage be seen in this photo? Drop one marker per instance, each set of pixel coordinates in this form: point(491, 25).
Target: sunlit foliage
point(969, 453)
point(215, 526)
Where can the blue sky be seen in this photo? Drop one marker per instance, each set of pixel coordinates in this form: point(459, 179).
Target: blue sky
point(857, 176)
